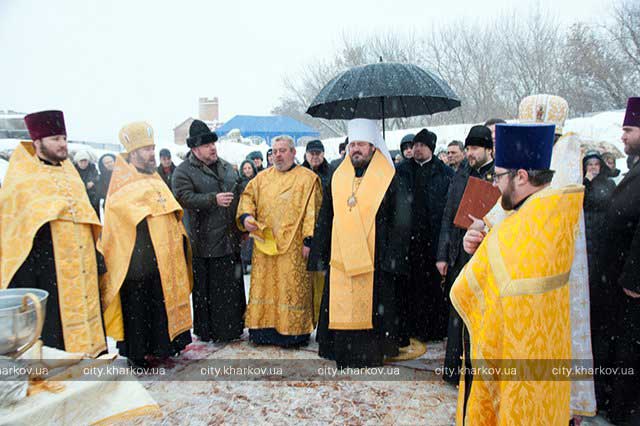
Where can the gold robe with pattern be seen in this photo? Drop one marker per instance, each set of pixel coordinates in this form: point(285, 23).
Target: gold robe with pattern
point(281, 292)
point(132, 198)
point(513, 297)
point(34, 194)
point(353, 242)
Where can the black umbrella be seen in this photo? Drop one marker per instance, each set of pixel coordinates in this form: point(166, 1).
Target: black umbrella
point(383, 90)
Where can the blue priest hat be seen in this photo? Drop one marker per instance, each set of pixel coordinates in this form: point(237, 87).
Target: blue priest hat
point(524, 146)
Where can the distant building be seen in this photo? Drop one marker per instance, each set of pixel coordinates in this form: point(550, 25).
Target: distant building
point(12, 126)
point(208, 111)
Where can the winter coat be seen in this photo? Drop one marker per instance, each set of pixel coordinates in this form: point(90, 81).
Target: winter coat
point(166, 177)
point(620, 249)
point(324, 172)
point(336, 163)
point(90, 174)
point(450, 241)
point(105, 177)
point(597, 196)
point(434, 195)
point(211, 228)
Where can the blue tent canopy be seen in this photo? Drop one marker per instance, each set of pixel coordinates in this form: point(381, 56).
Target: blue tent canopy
point(268, 127)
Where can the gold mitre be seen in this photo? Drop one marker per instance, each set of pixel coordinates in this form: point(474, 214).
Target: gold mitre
point(550, 109)
point(136, 135)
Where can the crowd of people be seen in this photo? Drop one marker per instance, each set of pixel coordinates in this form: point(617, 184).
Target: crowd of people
point(363, 250)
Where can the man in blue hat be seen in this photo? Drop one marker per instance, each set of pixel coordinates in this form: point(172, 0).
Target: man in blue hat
point(513, 295)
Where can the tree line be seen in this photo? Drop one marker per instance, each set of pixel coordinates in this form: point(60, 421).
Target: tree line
point(493, 65)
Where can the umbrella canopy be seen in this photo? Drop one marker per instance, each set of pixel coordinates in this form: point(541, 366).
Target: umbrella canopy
point(383, 90)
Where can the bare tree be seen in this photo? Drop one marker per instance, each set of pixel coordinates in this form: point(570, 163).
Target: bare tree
point(493, 65)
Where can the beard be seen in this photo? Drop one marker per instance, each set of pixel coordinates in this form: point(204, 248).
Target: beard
point(53, 156)
point(506, 201)
point(142, 164)
point(362, 160)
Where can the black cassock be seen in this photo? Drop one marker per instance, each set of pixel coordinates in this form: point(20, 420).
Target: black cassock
point(620, 253)
point(143, 310)
point(423, 307)
point(451, 251)
point(364, 348)
point(39, 271)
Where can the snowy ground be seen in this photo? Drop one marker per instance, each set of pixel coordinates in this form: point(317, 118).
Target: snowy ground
point(420, 398)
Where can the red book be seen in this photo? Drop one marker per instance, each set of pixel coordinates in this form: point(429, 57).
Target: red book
point(478, 199)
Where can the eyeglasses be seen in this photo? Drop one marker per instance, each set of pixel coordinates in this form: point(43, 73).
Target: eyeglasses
point(497, 176)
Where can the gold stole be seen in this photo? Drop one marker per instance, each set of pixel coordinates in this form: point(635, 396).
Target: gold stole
point(32, 195)
point(353, 240)
point(132, 198)
point(514, 300)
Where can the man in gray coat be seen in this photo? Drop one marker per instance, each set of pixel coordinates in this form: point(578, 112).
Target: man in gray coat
point(207, 188)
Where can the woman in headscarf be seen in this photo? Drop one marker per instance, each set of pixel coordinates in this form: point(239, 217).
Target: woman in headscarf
point(89, 175)
point(248, 171)
point(105, 165)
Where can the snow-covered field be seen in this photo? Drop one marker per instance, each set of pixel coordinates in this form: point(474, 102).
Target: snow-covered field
point(604, 126)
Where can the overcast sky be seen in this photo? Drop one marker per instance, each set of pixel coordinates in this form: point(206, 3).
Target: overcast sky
point(106, 63)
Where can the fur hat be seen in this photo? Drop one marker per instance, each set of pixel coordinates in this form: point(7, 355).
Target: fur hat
point(200, 134)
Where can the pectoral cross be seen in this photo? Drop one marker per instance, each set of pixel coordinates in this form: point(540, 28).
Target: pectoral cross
point(161, 199)
point(352, 201)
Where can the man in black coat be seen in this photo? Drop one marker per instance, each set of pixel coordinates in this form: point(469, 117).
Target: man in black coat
point(208, 189)
point(423, 312)
point(314, 160)
point(451, 256)
point(166, 167)
point(621, 251)
point(342, 150)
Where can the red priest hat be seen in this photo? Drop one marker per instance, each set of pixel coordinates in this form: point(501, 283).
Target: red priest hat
point(45, 123)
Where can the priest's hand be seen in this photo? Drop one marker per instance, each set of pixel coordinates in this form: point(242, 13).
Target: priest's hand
point(632, 294)
point(224, 199)
point(442, 268)
point(305, 252)
point(474, 236)
point(250, 224)
point(90, 185)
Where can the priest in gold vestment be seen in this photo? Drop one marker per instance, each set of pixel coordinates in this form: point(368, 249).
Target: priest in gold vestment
point(513, 295)
point(279, 207)
point(362, 235)
point(145, 292)
point(47, 236)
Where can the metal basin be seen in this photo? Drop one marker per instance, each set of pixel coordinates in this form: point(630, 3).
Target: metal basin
point(18, 327)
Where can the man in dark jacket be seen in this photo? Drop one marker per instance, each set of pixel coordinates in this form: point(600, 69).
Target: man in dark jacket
point(207, 188)
point(342, 150)
point(451, 256)
point(422, 307)
point(621, 255)
point(166, 167)
point(315, 161)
